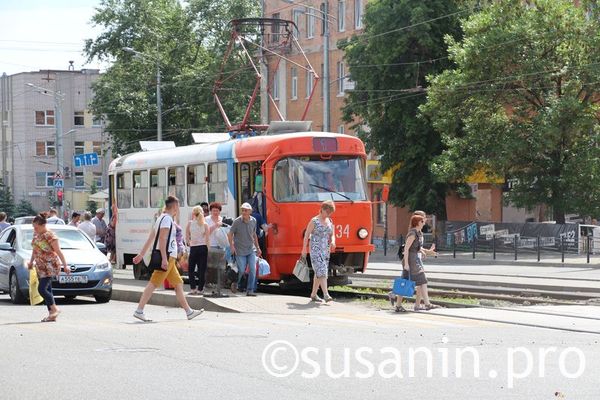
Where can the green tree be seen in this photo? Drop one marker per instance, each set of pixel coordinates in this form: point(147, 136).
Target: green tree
point(7, 203)
point(523, 103)
point(188, 42)
point(389, 64)
point(24, 208)
point(92, 206)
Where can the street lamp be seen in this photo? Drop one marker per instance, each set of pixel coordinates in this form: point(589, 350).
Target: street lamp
point(158, 97)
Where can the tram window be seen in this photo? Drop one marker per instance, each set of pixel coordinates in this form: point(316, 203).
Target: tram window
point(158, 186)
point(124, 190)
point(177, 183)
point(217, 182)
point(196, 184)
point(316, 179)
point(140, 189)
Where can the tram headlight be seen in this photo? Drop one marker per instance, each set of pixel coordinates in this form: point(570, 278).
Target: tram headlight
point(362, 233)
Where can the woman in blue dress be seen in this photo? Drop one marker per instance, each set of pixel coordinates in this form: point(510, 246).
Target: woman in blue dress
point(322, 241)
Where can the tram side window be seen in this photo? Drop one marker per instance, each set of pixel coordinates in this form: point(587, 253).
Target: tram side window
point(217, 182)
point(124, 190)
point(177, 183)
point(158, 186)
point(196, 184)
point(140, 189)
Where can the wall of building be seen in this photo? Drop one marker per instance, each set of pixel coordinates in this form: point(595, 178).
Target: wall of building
point(80, 133)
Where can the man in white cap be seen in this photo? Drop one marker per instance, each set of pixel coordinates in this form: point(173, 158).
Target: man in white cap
point(244, 244)
point(100, 225)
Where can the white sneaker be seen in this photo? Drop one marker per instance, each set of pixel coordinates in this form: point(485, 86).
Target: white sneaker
point(195, 313)
point(141, 316)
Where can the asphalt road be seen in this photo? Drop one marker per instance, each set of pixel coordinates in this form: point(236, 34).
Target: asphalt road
point(98, 351)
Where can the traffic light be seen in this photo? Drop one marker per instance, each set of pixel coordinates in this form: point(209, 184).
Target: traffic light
point(59, 197)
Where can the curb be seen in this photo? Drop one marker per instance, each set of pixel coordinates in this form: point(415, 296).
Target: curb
point(168, 299)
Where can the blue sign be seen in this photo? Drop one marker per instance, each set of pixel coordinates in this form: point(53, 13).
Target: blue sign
point(87, 159)
point(59, 183)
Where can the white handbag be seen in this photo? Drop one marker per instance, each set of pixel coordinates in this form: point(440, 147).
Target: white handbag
point(301, 270)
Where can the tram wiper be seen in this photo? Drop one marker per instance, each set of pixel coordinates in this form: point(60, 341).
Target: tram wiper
point(332, 191)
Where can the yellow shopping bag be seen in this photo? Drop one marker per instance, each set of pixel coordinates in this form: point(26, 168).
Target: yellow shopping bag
point(34, 295)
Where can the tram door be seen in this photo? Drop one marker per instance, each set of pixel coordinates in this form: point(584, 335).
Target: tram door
point(245, 183)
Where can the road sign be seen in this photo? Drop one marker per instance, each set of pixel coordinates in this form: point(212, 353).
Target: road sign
point(87, 159)
point(59, 183)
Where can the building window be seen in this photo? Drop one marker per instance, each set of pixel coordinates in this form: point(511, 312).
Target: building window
point(97, 121)
point(79, 180)
point(97, 148)
point(217, 182)
point(322, 79)
point(323, 18)
point(44, 179)
point(341, 18)
point(358, 14)
point(294, 74)
point(380, 210)
point(196, 184)
point(276, 85)
point(45, 149)
point(43, 118)
point(309, 83)
point(296, 17)
point(310, 23)
point(341, 129)
point(98, 179)
point(275, 29)
point(78, 118)
point(79, 148)
point(340, 77)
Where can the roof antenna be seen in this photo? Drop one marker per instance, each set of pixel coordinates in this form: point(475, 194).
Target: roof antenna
point(71, 66)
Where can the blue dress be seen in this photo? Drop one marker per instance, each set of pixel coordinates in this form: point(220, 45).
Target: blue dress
point(319, 247)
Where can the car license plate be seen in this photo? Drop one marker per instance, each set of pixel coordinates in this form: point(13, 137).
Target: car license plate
point(72, 279)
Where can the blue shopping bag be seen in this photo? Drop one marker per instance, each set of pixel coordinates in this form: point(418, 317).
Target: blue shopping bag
point(404, 287)
point(263, 267)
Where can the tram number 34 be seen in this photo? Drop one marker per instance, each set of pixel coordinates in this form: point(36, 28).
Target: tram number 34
point(342, 231)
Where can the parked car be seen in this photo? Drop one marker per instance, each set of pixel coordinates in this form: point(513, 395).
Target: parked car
point(91, 272)
point(24, 220)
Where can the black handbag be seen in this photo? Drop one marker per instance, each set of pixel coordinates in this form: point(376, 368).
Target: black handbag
point(155, 263)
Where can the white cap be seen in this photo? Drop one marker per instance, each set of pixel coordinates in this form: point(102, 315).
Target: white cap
point(246, 206)
point(100, 210)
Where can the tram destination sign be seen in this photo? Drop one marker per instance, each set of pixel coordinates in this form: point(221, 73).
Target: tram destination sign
point(87, 159)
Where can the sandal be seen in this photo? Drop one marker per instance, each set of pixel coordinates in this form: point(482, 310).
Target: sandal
point(48, 319)
point(430, 307)
point(328, 298)
point(316, 298)
point(400, 309)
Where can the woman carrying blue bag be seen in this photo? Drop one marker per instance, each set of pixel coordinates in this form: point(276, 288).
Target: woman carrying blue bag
point(413, 267)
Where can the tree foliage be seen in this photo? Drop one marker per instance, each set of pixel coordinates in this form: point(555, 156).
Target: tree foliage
point(523, 102)
point(7, 203)
point(188, 43)
point(389, 64)
point(24, 208)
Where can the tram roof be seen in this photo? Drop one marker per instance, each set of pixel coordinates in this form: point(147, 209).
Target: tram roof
point(185, 155)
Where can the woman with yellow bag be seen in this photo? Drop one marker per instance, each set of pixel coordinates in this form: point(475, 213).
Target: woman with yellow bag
point(48, 258)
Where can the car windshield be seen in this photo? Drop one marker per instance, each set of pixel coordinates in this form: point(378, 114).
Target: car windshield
point(68, 239)
point(316, 179)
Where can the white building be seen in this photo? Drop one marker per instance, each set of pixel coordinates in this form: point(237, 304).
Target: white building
point(29, 136)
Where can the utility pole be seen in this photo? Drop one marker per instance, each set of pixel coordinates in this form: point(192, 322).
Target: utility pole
point(326, 88)
point(3, 125)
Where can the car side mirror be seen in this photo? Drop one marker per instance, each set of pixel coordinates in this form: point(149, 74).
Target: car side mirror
point(100, 246)
point(6, 247)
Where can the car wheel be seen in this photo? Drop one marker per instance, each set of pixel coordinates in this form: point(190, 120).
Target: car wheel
point(140, 272)
point(103, 298)
point(16, 296)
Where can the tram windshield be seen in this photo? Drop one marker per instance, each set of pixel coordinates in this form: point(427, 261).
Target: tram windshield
point(300, 179)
